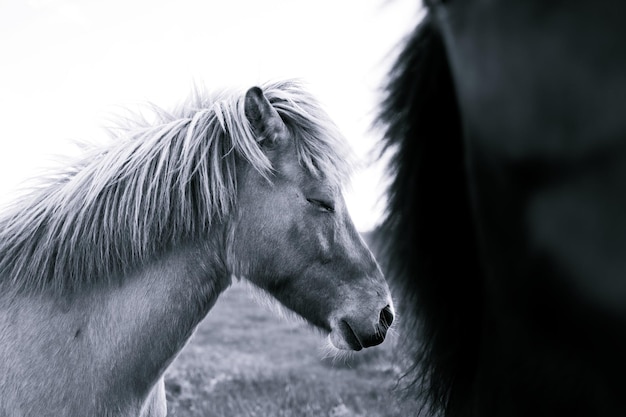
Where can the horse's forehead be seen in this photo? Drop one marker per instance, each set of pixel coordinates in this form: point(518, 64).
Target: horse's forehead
point(319, 185)
point(288, 165)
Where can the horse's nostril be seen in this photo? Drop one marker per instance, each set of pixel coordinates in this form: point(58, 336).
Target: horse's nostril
point(386, 317)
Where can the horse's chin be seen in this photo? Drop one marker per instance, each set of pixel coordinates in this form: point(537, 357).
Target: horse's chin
point(341, 344)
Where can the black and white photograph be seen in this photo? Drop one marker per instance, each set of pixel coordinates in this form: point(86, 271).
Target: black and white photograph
point(376, 208)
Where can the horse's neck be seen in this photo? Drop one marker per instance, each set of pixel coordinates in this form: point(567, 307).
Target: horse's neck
point(107, 345)
point(141, 325)
point(154, 312)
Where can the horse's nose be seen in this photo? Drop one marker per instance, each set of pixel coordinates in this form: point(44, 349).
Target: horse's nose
point(359, 332)
point(386, 318)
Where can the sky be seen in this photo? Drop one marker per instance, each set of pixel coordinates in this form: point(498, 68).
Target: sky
point(68, 66)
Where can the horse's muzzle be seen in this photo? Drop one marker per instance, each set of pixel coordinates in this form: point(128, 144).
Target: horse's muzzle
point(351, 333)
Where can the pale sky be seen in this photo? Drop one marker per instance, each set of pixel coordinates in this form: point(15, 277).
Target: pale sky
point(67, 66)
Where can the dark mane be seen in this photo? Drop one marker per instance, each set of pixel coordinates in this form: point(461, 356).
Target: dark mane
point(431, 239)
point(507, 252)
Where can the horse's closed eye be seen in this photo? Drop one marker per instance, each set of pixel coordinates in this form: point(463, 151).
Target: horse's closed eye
point(324, 205)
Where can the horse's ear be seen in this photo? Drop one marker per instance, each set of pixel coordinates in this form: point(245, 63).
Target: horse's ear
point(266, 123)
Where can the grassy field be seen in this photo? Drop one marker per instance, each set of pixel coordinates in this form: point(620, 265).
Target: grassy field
point(244, 360)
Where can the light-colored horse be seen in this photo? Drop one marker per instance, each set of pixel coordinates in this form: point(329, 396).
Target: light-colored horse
point(106, 270)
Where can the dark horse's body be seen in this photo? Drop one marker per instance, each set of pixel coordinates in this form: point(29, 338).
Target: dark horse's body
point(507, 216)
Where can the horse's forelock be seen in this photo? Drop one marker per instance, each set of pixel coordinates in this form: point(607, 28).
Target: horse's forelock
point(321, 148)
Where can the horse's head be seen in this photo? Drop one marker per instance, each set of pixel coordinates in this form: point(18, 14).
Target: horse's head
point(293, 238)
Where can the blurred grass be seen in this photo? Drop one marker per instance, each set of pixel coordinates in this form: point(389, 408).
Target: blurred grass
point(245, 361)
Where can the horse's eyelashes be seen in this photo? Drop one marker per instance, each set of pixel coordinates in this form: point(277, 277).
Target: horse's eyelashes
point(325, 205)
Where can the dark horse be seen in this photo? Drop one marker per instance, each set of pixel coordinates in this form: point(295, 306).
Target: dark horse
point(506, 224)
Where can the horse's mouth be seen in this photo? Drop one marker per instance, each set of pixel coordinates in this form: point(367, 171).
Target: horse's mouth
point(349, 336)
point(345, 336)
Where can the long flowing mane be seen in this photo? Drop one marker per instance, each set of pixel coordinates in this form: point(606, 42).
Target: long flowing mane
point(153, 186)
